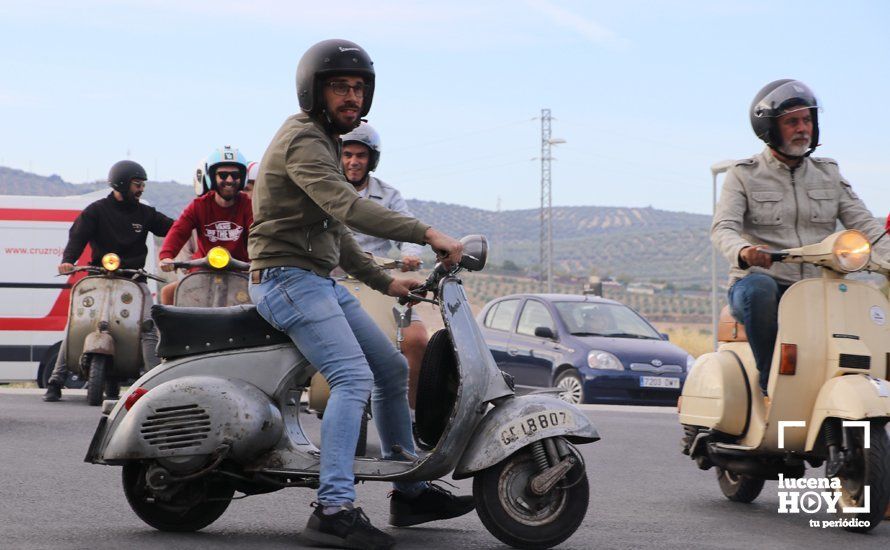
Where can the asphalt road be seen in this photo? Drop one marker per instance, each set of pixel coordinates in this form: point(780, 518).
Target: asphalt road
point(644, 494)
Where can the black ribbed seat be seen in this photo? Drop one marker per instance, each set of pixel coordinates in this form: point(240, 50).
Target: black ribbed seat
point(192, 330)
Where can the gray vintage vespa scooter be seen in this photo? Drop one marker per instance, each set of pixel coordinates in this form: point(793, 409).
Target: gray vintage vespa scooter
point(221, 282)
point(222, 415)
point(103, 338)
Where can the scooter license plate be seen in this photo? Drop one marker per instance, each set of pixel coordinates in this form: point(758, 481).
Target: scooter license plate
point(656, 382)
point(527, 425)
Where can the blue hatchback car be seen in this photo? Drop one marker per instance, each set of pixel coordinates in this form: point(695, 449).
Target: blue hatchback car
point(595, 350)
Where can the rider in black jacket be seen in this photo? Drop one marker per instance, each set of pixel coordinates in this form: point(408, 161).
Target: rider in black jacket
point(119, 223)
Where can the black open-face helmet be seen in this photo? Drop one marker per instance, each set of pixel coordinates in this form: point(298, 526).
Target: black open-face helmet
point(332, 58)
point(122, 173)
point(774, 100)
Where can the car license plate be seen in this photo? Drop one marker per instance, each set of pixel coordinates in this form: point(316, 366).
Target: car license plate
point(531, 423)
point(656, 382)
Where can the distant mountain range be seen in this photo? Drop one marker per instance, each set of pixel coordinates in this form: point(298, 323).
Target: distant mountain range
point(632, 244)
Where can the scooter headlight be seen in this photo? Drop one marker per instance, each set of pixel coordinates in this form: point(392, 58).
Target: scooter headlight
point(851, 251)
point(598, 359)
point(111, 262)
point(218, 257)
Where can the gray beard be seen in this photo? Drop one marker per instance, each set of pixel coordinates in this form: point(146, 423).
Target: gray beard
point(795, 150)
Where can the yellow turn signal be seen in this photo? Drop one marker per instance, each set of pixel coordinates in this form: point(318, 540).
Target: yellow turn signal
point(111, 261)
point(218, 257)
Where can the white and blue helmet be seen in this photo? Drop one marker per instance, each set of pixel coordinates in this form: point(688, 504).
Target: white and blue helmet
point(227, 156)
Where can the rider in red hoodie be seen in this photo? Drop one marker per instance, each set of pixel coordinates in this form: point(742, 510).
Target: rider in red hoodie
point(221, 216)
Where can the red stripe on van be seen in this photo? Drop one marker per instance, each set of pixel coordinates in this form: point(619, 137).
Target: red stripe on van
point(38, 215)
point(57, 317)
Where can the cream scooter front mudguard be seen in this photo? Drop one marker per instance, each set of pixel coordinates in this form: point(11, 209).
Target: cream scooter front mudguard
point(850, 397)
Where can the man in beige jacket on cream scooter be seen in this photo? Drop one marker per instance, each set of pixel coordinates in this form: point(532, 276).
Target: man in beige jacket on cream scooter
point(780, 198)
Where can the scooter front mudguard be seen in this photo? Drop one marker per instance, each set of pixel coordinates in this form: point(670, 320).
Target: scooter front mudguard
point(192, 416)
point(850, 397)
point(519, 422)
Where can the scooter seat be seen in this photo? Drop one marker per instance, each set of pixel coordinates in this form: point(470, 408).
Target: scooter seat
point(193, 330)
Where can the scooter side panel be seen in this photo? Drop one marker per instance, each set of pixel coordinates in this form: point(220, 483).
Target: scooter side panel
point(197, 416)
point(518, 423)
point(715, 394)
point(852, 397)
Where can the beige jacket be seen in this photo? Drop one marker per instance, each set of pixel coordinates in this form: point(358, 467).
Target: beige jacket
point(765, 202)
point(302, 205)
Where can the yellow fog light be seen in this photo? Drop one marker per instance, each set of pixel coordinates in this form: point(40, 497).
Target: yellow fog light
point(851, 250)
point(218, 257)
point(111, 262)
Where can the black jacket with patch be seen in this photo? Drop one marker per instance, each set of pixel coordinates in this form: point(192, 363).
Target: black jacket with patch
point(109, 225)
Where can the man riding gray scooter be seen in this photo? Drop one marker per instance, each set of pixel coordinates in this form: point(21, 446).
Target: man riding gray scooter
point(302, 204)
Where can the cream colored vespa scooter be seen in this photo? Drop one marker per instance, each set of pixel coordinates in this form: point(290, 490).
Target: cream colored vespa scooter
point(829, 368)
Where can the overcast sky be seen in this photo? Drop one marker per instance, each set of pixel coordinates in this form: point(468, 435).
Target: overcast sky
point(647, 95)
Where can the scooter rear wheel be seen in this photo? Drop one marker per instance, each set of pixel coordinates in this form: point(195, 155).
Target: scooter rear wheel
point(738, 487)
point(187, 507)
point(521, 519)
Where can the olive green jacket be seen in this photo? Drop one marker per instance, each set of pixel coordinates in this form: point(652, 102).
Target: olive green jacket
point(302, 205)
point(765, 202)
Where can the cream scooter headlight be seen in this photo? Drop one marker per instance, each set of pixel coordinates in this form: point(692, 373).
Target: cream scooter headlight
point(598, 359)
point(851, 251)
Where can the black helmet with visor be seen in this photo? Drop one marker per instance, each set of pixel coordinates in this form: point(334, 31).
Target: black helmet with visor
point(776, 99)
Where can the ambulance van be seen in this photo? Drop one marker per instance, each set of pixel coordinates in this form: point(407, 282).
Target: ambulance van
point(34, 299)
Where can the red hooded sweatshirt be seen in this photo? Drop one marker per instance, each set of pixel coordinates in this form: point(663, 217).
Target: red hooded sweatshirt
point(215, 225)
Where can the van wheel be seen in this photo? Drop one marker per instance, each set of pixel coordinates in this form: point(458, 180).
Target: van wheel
point(571, 388)
point(98, 365)
point(867, 468)
point(738, 487)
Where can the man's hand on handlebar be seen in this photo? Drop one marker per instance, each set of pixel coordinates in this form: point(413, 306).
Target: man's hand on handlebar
point(65, 268)
point(400, 287)
point(410, 263)
point(755, 256)
point(447, 249)
point(166, 265)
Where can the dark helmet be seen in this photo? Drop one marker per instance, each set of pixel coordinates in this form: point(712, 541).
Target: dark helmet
point(774, 100)
point(367, 136)
point(331, 58)
point(122, 173)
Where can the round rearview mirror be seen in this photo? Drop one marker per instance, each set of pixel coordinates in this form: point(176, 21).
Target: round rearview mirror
point(475, 252)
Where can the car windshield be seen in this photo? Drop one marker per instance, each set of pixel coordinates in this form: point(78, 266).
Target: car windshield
point(599, 319)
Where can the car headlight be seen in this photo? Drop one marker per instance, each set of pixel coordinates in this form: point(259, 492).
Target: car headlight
point(851, 251)
point(598, 359)
point(690, 360)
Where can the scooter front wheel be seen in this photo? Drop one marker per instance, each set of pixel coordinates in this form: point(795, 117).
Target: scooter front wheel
point(98, 367)
point(866, 477)
point(518, 517)
point(183, 507)
point(739, 487)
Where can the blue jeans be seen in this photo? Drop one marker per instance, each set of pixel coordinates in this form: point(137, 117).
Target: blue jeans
point(337, 336)
point(754, 301)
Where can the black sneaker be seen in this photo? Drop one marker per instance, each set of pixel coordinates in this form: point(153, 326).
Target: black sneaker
point(53, 392)
point(433, 504)
point(348, 528)
point(112, 389)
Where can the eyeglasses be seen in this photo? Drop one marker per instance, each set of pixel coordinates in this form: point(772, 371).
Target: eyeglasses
point(223, 176)
point(138, 183)
point(342, 88)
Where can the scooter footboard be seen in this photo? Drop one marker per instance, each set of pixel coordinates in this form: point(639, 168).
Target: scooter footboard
point(193, 416)
point(518, 423)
